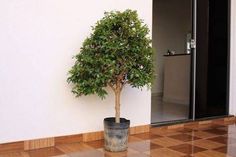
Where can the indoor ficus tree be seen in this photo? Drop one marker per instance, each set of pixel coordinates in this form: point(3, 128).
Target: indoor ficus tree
point(118, 52)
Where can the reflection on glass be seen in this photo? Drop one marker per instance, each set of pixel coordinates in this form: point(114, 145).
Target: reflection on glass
point(172, 27)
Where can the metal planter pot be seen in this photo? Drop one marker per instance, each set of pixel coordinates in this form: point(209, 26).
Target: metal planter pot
point(116, 134)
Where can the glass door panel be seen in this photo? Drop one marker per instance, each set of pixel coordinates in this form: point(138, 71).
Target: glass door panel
point(172, 34)
point(212, 58)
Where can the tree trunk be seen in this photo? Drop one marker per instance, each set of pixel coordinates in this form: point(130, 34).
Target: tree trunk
point(117, 105)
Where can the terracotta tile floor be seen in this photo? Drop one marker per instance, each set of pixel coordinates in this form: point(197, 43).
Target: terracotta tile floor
point(204, 141)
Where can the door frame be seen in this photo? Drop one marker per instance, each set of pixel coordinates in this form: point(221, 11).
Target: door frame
point(228, 57)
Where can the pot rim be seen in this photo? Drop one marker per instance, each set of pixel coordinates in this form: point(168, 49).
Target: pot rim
point(112, 120)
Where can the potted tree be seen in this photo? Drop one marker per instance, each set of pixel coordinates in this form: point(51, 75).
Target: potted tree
point(117, 53)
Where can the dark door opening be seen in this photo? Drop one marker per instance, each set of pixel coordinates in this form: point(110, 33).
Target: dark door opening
point(212, 58)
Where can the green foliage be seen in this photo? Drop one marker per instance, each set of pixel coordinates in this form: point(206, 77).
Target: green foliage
point(119, 49)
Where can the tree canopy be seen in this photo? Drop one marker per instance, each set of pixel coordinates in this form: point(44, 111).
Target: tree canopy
point(118, 50)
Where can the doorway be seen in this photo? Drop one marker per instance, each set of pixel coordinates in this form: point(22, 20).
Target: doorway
point(191, 45)
point(172, 33)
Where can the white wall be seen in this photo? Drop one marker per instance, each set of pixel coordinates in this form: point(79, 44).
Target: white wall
point(38, 39)
point(232, 102)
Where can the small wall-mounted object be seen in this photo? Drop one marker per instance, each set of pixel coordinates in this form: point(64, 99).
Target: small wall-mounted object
point(188, 43)
point(170, 52)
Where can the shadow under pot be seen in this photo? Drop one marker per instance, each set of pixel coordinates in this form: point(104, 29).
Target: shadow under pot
point(116, 134)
